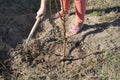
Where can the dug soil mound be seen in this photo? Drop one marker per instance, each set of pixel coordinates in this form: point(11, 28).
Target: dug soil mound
point(88, 53)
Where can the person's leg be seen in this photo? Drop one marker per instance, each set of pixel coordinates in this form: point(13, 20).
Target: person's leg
point(80, 6)
point(65, 5)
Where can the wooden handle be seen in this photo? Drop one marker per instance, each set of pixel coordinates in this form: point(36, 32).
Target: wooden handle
point(33, 30)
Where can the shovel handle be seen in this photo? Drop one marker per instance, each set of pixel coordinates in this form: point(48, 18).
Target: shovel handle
point(33, 30)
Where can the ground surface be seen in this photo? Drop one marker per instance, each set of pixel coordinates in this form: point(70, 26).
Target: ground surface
point(93, 54)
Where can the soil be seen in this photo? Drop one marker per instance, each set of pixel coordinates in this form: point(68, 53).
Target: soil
point(87, 53)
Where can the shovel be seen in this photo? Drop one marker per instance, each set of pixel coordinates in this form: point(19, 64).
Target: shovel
point(32, 31)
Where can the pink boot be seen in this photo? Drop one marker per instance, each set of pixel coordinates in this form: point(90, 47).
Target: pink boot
point(58, 15)
point(74, 30)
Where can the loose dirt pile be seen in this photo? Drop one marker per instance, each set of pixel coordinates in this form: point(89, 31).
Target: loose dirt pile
point(93, 54)
point(88, 53)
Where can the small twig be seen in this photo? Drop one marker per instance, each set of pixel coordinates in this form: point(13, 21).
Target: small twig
point(56, 5)
point(55, 29)
point(64, 27)
point(64, 33)
point(3, 65)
